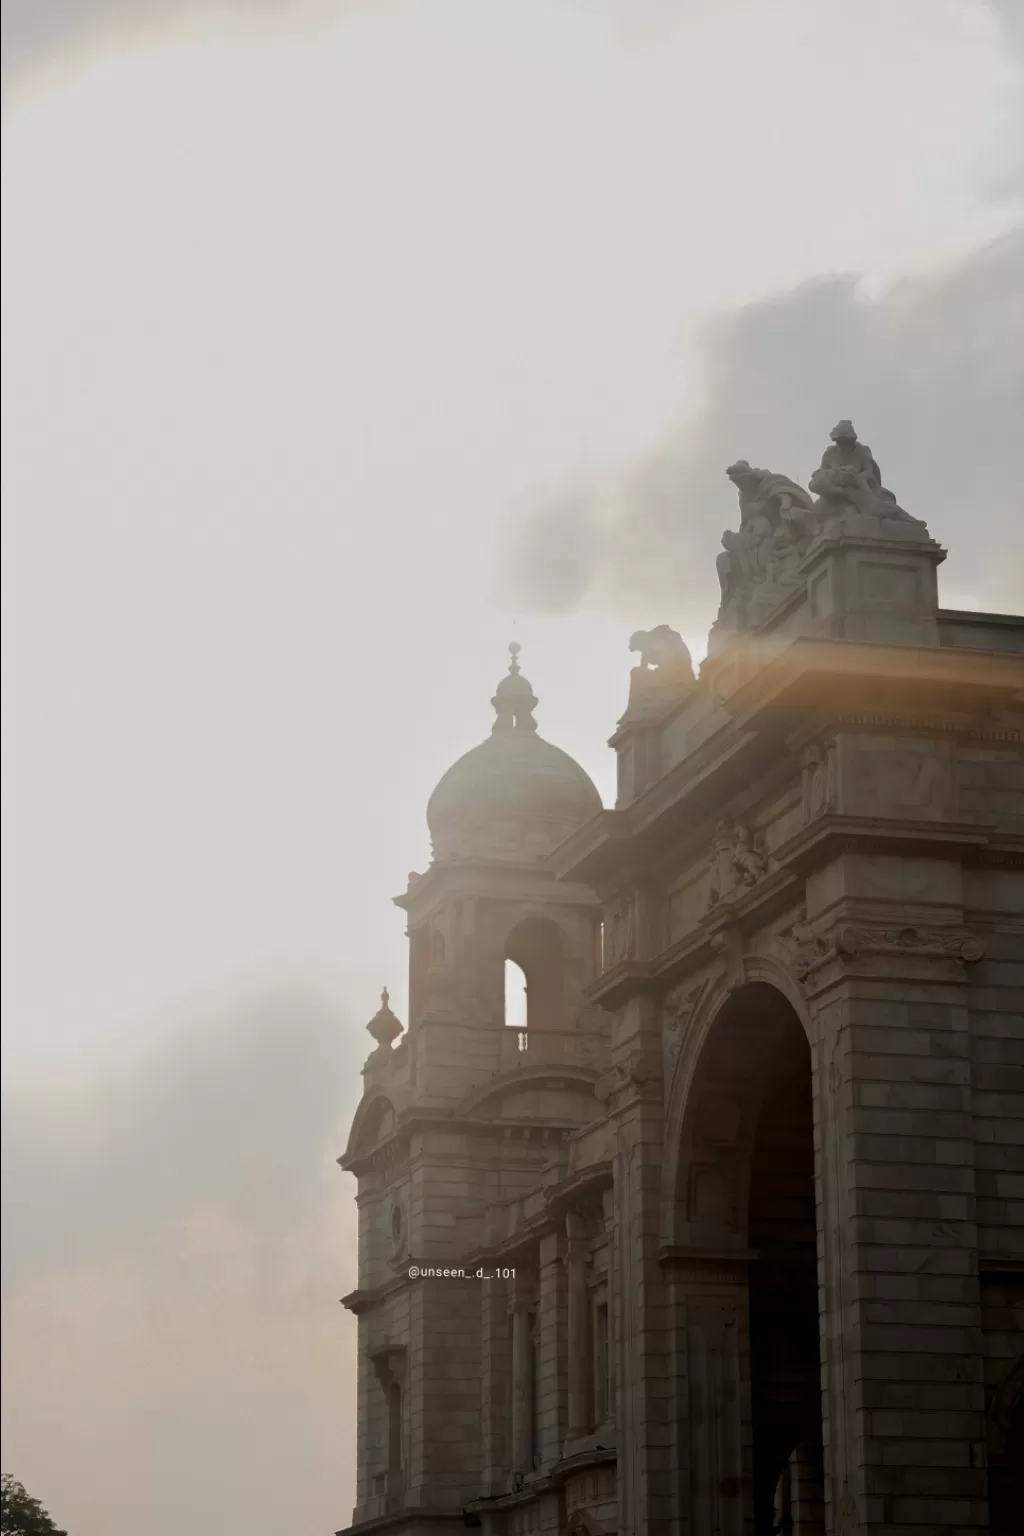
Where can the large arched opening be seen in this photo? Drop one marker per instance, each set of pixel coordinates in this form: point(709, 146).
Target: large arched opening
point(745, 1207)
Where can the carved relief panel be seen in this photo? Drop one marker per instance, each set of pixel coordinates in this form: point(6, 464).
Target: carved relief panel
point(901, 777)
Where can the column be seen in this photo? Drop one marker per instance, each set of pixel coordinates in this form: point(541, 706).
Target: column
point(806, 1491)
point(577, 1257)
point(709, 1305)
point(552, 1351)
point(901, 1316)
point(522, 1381)
point(496, 1386)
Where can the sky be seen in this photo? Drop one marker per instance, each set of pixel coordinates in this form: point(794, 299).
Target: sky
point(343, 344)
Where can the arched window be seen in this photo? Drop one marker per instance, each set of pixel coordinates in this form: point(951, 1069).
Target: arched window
point(515, 995)
point(534, 951)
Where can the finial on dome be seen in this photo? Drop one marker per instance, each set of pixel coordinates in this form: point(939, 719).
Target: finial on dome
point(384, 1027)
point(513, 701)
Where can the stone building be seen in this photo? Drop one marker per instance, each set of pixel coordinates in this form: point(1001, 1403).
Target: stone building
point(732, 1225)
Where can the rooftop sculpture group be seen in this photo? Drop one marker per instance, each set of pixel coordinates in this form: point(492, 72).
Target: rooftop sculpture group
point(779, 521)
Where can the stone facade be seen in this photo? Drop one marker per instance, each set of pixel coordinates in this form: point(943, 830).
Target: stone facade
point(736, 1220)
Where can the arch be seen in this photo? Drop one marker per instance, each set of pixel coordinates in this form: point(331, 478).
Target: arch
point(373, 1122)
point(740, 1186)
point(571, 1075)
point(709, 1008)
point(537, 945)
point(515, 995)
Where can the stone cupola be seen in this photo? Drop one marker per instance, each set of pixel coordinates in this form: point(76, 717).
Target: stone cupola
point(515, 796)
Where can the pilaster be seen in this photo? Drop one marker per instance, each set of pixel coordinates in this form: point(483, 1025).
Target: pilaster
point(899, 1291)
point(552, 1353)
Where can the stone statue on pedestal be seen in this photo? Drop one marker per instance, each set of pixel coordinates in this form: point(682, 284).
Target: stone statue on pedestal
point(777, 524)
point(848, 479)
point(665, 673)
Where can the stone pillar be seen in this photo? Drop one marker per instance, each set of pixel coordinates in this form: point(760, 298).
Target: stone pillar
point(806, 1491)
point(901, 1315)
point(709, 1305)
point(580, 1345)
point(521, 1303)
point(495, 1386)
point(552, 1351)
point(522, 1385)
point(642, 1382)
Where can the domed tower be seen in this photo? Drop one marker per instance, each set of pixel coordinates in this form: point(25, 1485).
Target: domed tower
point(462, 1112)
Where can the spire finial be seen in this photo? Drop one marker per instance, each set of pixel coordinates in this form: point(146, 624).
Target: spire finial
point(514, 702)
point(384, 1027)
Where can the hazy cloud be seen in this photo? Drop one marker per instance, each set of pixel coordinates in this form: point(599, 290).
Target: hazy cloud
point(932, 373)
point(295, 311)
point(176, 1237)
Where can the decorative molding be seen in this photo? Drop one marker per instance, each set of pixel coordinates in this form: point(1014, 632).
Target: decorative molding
point(678, 1010)
point(818, 780)
point(807, 949)
point(736, 863)
point(937, 723)
point(922, 943)
point(803, 950)
point(634, 1072)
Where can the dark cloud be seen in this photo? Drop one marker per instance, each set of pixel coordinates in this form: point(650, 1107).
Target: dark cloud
point(932, 373)
point(236, 1105)
point(39, 32)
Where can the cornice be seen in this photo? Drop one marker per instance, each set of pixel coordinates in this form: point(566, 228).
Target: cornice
point(947, 691)
point(551, 1480)
point(396, 1150)
point(407, 1517)
point(367, 1298)
point(588, 1181)
point(735, 921)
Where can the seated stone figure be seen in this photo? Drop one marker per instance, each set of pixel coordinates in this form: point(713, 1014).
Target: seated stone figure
point(777, 524)
point(665, 671)
point(663, 648)
point(849, 478)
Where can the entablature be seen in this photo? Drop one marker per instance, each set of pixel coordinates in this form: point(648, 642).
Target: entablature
point(839, 685)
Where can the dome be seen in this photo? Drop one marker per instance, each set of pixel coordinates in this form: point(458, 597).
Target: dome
point(515, 796)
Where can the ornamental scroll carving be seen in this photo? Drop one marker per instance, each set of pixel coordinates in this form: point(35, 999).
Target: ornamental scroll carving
point(919, 942)
point(634, 1072)
point(806, 949)
point(679, 1008)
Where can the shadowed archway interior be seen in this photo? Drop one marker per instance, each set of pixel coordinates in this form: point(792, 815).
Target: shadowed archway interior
point(747, 1187)
point(785, 1376)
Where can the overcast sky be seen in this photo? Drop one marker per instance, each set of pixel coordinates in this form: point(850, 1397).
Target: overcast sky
point(342, 344)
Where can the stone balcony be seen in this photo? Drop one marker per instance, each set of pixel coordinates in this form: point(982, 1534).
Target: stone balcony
point(522, 1048)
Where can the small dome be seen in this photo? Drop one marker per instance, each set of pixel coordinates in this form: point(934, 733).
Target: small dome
point(515, 796)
